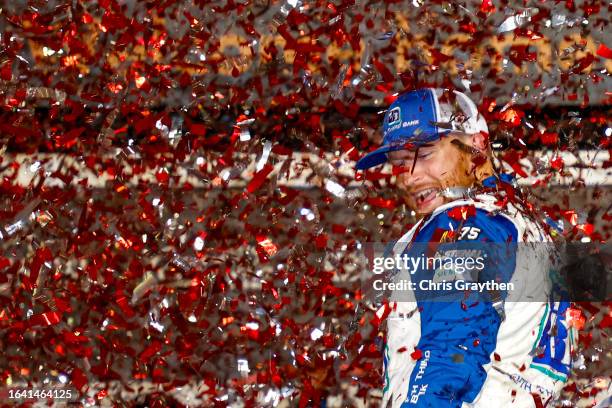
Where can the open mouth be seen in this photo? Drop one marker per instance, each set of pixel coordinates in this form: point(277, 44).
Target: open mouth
point(425, 196)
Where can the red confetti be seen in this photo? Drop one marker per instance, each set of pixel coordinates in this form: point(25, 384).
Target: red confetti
point(259, 178)
point(537, 400)
point(381, 202)
point(321, 241)
point(150, 351)
point(462, 212)
point(42, 255)
point(575, 318)
point(267, 245)
point(487, 6)
point(604, 51)
point(78, 378)
point(45, 319)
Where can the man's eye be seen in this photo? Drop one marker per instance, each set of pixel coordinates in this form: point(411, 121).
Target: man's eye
point(424, 155)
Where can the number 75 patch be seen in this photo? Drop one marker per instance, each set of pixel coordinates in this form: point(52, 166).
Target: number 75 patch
point(469, 233)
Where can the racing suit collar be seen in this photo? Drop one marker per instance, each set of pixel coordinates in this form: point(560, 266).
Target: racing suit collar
point(493, 180)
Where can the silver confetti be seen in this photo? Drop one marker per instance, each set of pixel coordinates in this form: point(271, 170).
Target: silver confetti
point(518, 20)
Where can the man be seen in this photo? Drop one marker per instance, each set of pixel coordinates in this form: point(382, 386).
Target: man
point(512, 349)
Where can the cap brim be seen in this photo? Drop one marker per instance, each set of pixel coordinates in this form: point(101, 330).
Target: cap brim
point(376, 157)
point(379, 156)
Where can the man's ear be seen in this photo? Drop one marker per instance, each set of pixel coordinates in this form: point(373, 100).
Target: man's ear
point(481, 162)
point(480, 141)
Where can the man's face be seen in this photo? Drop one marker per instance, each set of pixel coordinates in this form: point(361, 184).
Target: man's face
point(432, 168)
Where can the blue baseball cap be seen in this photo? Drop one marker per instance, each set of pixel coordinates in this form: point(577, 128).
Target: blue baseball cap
point(422, 116)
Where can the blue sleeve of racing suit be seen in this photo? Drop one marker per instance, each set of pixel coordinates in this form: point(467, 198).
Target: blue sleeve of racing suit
point(457, 338)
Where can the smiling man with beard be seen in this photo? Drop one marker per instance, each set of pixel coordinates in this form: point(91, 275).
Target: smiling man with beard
point(510, 349)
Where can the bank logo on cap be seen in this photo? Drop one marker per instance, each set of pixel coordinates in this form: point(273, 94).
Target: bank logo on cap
point(395, 116)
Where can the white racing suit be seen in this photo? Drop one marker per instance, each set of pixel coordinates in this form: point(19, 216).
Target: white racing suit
point(441, 354)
